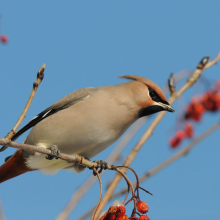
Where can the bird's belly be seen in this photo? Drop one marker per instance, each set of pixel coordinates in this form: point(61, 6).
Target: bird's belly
point(93, 143)
point(88, 143)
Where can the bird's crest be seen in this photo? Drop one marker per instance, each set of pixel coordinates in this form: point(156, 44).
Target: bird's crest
point(147, 82)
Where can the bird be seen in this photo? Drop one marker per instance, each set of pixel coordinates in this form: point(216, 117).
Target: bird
point(85, 122)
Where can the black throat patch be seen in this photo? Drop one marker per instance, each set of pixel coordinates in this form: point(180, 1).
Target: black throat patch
point(150, 110)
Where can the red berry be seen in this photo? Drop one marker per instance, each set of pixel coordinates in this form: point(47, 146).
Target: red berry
point(120, 210)
point(174, 142)
point(123, 217)
point(180, 134)
point(144, 217)
point(195, 110)
point(112, 210)
point(211, 100)
point(189, 112)
point(111, 217)
point(142, 207)
point(4, 38)
point(189, 131)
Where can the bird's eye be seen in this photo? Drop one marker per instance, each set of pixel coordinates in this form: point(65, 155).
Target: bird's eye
point(153, 94)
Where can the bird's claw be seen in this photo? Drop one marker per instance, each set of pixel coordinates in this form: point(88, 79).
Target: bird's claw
point(55, 153)
point(101, 165)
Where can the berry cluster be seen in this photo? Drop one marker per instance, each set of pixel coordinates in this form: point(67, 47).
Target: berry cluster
point(188, 132)
point(207, 102)
point(117, 212)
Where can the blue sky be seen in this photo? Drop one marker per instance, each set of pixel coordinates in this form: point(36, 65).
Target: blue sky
point(90, 43)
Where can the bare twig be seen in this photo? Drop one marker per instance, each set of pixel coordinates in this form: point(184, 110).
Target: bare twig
point(74, 158)
point(130, 185)
point(100, 196)
point(40, 76)
point(192, 79)
point(175, 157)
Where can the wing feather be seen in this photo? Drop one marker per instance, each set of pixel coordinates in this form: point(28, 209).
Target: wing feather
point(63, 103)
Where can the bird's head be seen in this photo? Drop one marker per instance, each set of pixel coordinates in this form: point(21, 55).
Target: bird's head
point(152, 99)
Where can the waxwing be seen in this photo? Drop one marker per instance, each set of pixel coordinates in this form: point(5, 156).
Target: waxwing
point(84, 122)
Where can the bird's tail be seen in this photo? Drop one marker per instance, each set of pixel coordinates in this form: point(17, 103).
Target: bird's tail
point(13, 167)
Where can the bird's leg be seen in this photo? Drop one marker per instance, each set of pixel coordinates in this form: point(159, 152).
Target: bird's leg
point(55, 152)
point(101, 165)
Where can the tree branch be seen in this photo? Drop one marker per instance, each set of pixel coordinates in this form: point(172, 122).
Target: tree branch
point(173, 158)
point(40, 76)
point(192, 79)
point(100, 196)
point(74, 158)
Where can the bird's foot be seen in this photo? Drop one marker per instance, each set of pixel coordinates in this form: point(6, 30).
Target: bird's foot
point(101, 165)
point(55, 153)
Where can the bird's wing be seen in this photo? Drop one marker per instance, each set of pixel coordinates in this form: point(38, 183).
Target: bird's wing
point(63, 103)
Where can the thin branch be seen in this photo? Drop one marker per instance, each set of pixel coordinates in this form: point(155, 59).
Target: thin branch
point(173, 158)
point(128, 182)
point(40, 76)
point(121, 171)
point(192, 79)
point(100, 196)
point(73, 158)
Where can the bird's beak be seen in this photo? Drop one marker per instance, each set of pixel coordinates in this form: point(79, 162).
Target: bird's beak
point(166, 107)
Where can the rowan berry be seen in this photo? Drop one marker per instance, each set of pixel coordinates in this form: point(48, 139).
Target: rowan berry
point(111, 217)
point(142, 207)
point(4, 38)
point(123, 217)
point(189, 131)
point(112, 210)
point(180, 134)
point(144, 217)
point(174, 142)
point(120, 210)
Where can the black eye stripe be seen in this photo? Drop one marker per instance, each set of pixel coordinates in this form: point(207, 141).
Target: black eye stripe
point(153, 94)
